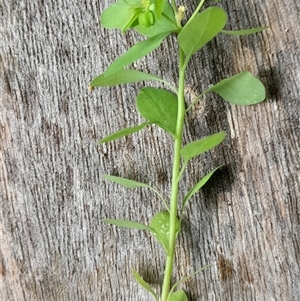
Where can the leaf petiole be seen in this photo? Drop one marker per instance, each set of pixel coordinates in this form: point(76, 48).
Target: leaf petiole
point(194, 101)
point(195, 12)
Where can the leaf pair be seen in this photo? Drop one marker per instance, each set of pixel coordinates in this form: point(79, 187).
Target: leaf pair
point(202, 28)
point(159, 225)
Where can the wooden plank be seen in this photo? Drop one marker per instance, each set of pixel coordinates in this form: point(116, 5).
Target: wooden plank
point(244, 224)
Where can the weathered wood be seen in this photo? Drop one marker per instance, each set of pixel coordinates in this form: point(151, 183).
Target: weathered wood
point(245, 223)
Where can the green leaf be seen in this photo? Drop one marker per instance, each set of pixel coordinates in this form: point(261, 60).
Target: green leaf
point(201, 29)
point(244, 31)
point(201, 146)
point(159, 5)
point(125, 182)
point(120, 15)
point(143, 283)
point(124, 132)
point(158, 106)
point(178, 296)
point(161, 224)
point(133, 184)
point(123, 76)
point(136, 52)
point(240, 89)
point(196, 188)
point(127, 224)
point(166, 23)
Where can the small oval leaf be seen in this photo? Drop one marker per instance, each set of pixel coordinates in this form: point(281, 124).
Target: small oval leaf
point(178, 296)
point(241, 89)
point(159, 106)
point(161, 224)
point(201, 29)
point(198, 147)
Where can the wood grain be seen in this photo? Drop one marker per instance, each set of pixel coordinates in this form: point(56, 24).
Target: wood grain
point(245, 222)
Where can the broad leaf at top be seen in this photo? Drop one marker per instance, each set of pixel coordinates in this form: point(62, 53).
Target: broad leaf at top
point(136, 52)
point(201, 29)
point(198, 147)
point(158, 106)
point(123, 76)
point(240, 89)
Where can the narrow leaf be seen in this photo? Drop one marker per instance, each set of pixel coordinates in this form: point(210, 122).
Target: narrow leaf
point(124, 132)
point(240, 89)
point(178, 296)
point(125, 182)
point(161, 224)
point(143, 283)
point(200, 146)
point(158, 106)
point(123, 76)
point(127, 224)
point(133, 184)
point(201, 29)
point(244, 31)
point(196, 188)
point(136, 52)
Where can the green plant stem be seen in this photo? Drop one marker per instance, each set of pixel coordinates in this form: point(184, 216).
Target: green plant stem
point(175, 182)
point(196, 11)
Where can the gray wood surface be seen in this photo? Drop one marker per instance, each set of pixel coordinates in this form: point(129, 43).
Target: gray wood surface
point(245, 222)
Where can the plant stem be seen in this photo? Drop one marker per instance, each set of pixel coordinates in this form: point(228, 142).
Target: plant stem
point(175, 182)
point(196, 11)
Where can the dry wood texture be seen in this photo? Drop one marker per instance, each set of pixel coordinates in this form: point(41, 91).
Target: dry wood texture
point(244, 224)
